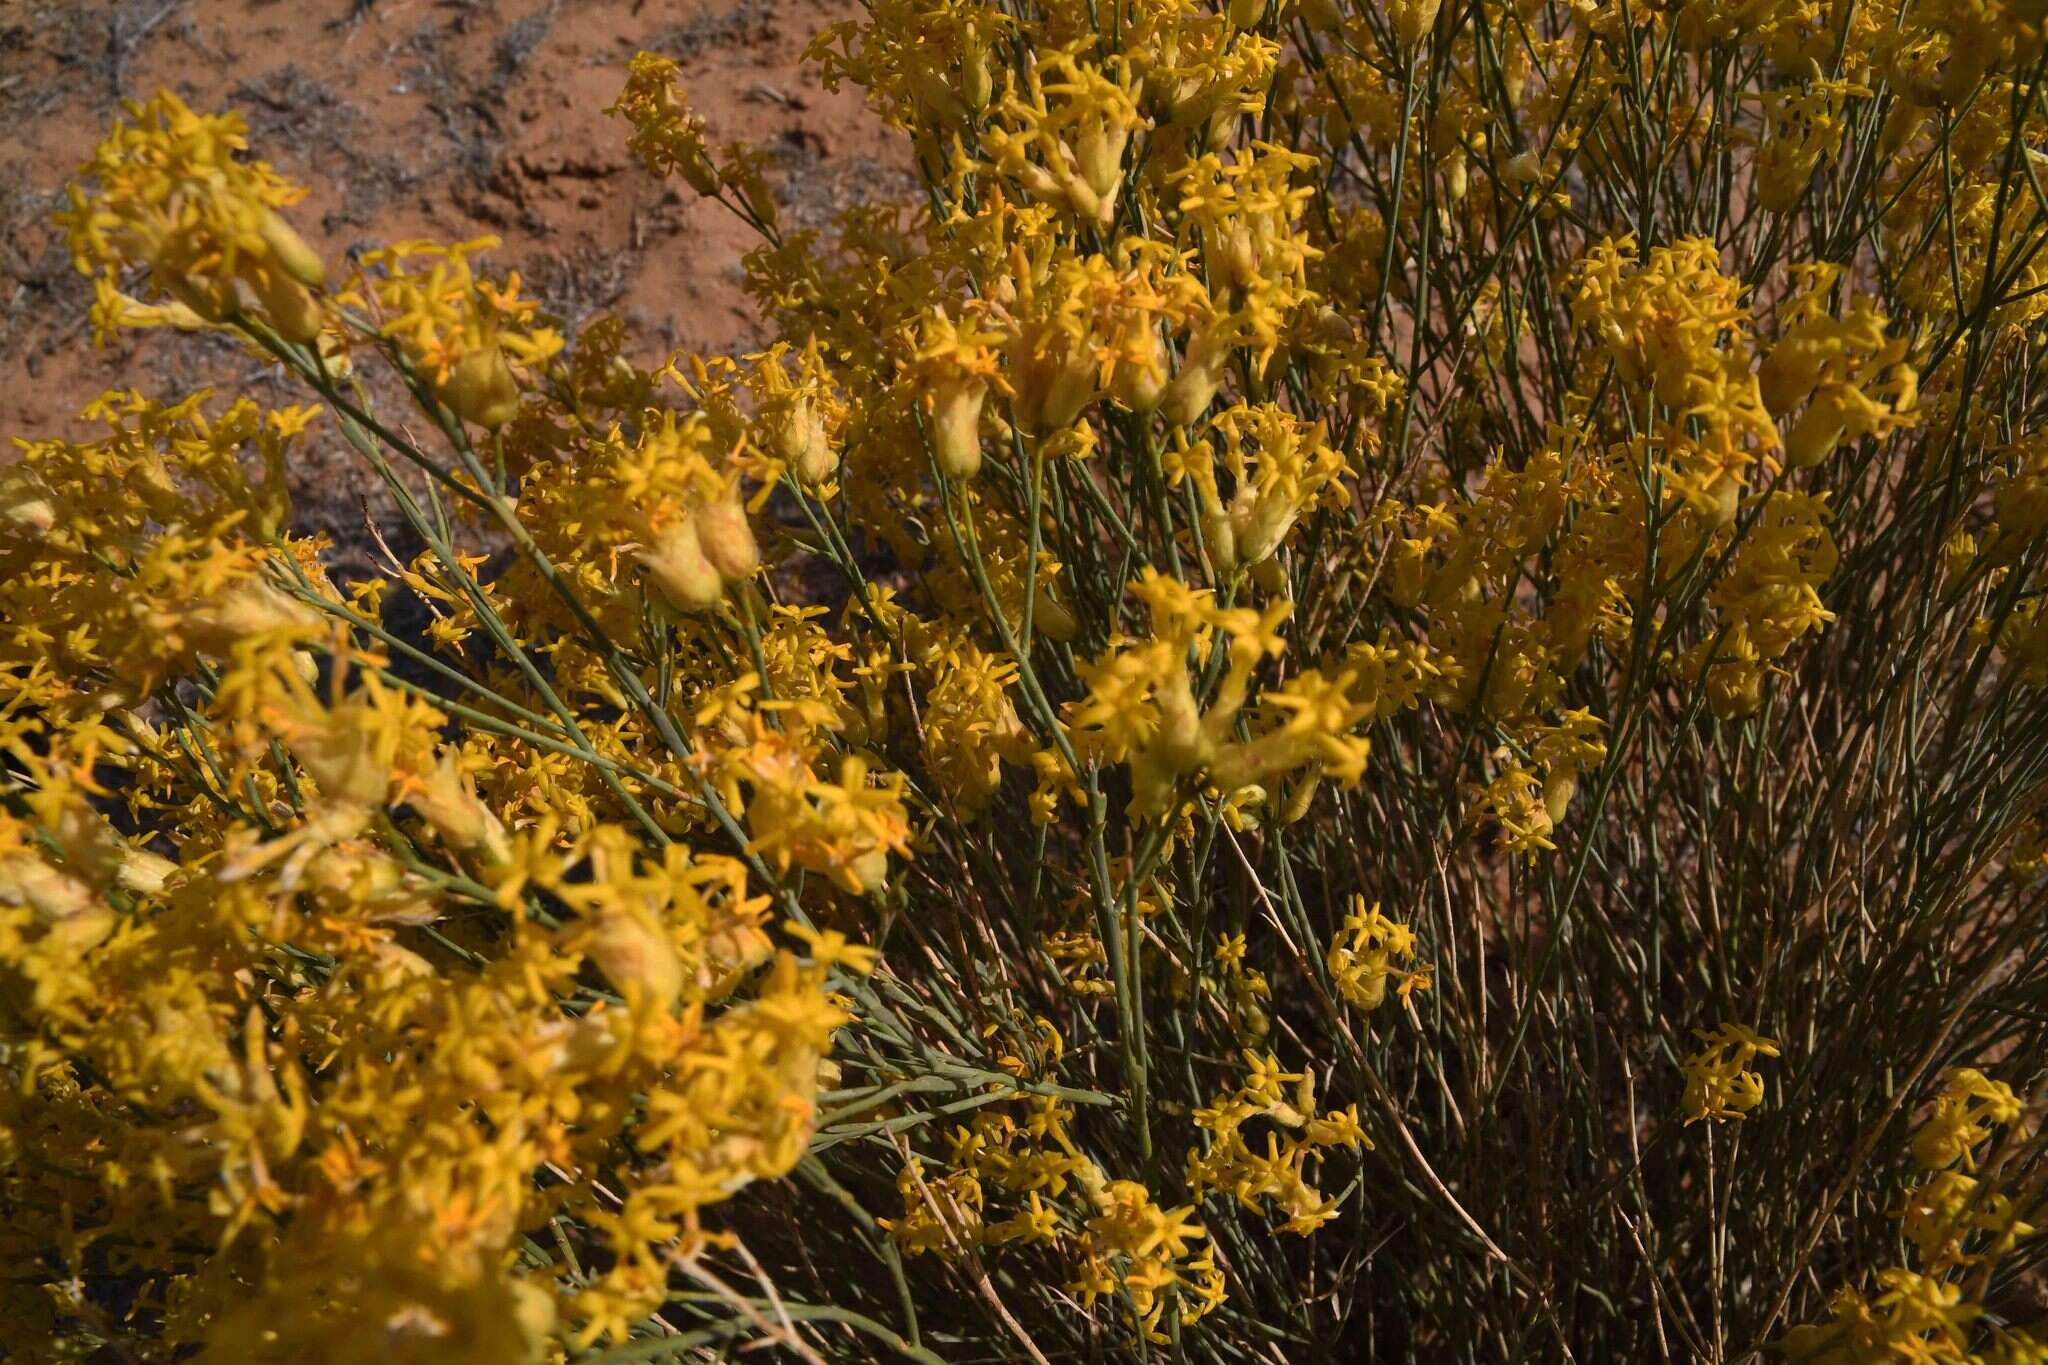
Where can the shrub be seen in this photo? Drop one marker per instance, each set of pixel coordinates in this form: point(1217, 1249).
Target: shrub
point(1377, 686)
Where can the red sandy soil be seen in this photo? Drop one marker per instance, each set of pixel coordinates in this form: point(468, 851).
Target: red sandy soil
point(444, 119)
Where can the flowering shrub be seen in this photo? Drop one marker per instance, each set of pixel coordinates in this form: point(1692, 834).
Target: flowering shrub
point(1378, 684)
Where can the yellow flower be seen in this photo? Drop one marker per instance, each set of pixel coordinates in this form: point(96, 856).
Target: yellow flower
point(666, 136)
point(462, 331)
point(170, 193)
point(1719, 1083)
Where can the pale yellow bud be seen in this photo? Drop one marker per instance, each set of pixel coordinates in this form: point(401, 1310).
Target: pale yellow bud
point(1051, 618)
point(871, 870)
point(1900, 124)
point(292, 312)
point(26, 507)
point(728, 539)
point(211, 300)
point(800, 440)
point(1558, 790)
point(480, 388)
point(1139, 383)
point(1816, 433)
point(338, 756)
point(68, 909)
point(680, 571)
point(1411, 20)
point(249, 609)
point(1219, 538)
point(1262, 527)
point(1514, 76)
point(1188, 396)
point(1099, 152)
point(637, 957)
point(1180, 744)
point(292, 254)
point(446, 799)
point(1321, 16)
point(956, 427)
point(698, 172)
point(1725, 494)
point(142, 872)
point(1300, 797)
point(1054, 385)
point(533, 1313)
point(977, 84)
point(1787, 375)
point(1234, 256)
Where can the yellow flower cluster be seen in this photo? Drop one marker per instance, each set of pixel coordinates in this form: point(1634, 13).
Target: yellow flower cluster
point(1719, 1083)
point(171, 195)
point(1300, 1134)
point(1365, 958)
point(463, 334)
point(666, 136)
point(1956, 1225)
point(1570, 475)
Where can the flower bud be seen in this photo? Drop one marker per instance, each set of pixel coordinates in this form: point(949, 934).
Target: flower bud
point(69, 911)
point(681, 572)
point(285, 303)
point(1234, 256)
point(1188, 396)
point(698, 172)
point(1180, 745)
point(212, 300)
point(143, 872)
point(1300, 796)
point(636, 956)
point(480, 388)
point(956, 427)
point(1558, 790)
point(1139, 380)
point(244, 611)
point(871, 870)
point(1099, 152)
point(1787, 375)
point(1514, 75)
point(339, 757)
point(977, 84)
point(936, 101)
point(1219, 538)
point(290, 251)
point(1725, 500)
point(446, 799)
point(727, 540)
point(1816, 433)
point(1456, 178)
point(26, 507)
point(799, 439)
point(1051, 617)
point(1321, 16)
point(1900, 124)
point(1411, 20)
point(1262, 527)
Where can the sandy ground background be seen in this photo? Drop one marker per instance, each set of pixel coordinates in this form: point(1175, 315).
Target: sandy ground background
point(417, 118)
